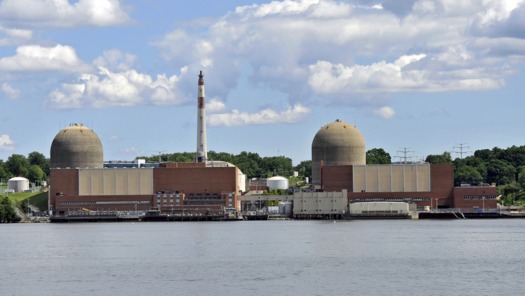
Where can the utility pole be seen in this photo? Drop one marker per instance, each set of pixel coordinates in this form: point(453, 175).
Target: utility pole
point(461, 148)
point(159, 152)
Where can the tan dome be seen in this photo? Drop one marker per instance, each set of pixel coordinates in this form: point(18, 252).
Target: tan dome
point(337, 143)
point(76, 147)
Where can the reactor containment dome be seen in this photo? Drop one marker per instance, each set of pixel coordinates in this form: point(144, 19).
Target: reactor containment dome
point(76, 146)
point(337, 143)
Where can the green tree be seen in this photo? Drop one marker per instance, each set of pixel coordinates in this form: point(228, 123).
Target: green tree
point(7, 212)
point(467, 174)
point(443, 158)
point(222, 156)
point(248, 163)
point(484, 154)
point(521, 177)
point(35, 173)
point(500, 172)
point(4, 175)
point(276, 165)
point(17, 165)
point(378, 156)
point(304, 168)
point(37, 158)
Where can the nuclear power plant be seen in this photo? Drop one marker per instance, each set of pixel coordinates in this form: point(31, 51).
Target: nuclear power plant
point(83, 188)
point(82, 185)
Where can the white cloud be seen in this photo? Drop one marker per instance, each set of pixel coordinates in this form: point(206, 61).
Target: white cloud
point(328, 78)
point(385, 112)
point(10, 91)
point(61, 13)
point(14, 36)
point(215, 106)
point(286, 7)
point(107, 88)
point(330, 48)
point(115, 59)
point(39, 58)
point(267, 116)
point(445, 72)
point(6, 144)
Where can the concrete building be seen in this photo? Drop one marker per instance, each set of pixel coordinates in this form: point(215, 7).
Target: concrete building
point(308, 205)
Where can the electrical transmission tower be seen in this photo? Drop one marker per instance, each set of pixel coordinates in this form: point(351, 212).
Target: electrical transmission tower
point(462, 150)
point(404, 151)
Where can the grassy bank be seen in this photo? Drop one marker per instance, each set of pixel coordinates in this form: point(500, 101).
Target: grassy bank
point(38, 199)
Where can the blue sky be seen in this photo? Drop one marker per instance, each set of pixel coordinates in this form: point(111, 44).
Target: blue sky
point(420, 75)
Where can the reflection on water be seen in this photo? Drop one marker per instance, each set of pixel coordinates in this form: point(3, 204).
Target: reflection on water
point(384, 257)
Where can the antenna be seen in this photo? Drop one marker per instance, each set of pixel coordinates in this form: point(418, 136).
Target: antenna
point(461, 148)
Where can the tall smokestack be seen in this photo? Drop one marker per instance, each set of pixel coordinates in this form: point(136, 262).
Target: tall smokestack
point(202, 149)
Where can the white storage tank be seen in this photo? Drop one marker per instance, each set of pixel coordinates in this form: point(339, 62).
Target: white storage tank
point(277, 182)
point(18, 184)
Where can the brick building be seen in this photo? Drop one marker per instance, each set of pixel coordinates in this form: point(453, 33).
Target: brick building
point(427, 185)
point(170, 187)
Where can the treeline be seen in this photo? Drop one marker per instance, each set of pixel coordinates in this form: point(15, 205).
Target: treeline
point(251, 164)
point(34, 167)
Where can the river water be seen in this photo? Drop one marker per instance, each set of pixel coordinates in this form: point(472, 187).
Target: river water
point(382, 257)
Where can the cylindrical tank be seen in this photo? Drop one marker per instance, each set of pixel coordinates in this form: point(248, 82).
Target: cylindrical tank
point(76, 147)
point(277, 182)
point(285, 207)
point(337, 143)
point(18, 184)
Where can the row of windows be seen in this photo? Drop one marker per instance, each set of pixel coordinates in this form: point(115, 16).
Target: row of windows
point(479, 197)
point(109, 202)
point(165, 200)
point(321, 200)
point(320, 210)
point(390, 199)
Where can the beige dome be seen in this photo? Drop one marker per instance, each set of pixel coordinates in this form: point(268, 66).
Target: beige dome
point(76, 147)
point(337, 143)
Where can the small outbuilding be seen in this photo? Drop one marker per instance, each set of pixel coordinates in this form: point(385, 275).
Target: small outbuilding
point(18, 184)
